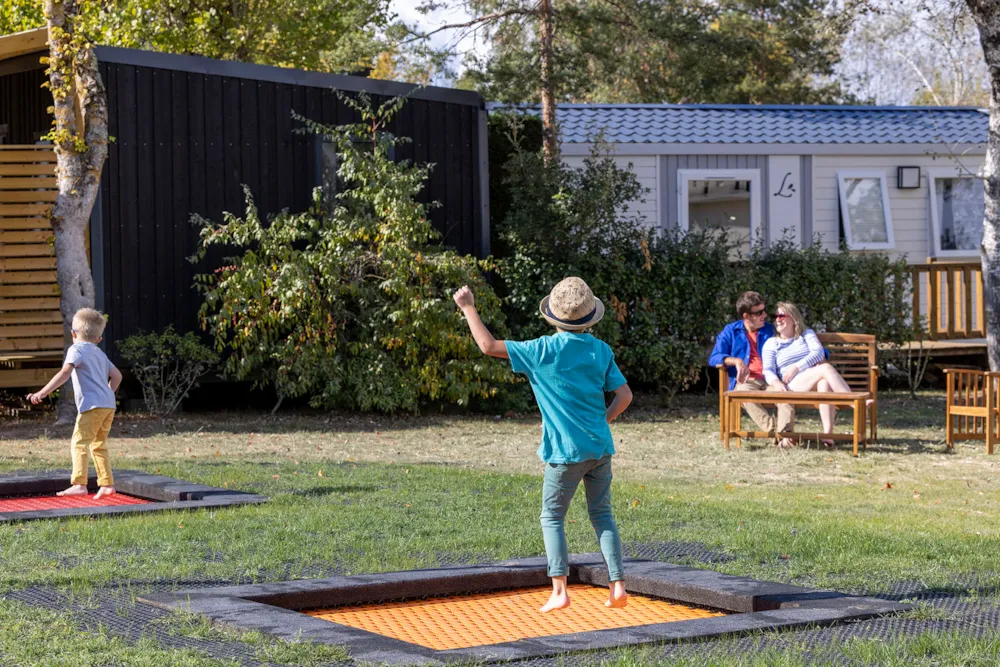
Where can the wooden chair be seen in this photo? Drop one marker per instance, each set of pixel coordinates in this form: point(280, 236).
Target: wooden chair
point(972, 407)
point(853, 355)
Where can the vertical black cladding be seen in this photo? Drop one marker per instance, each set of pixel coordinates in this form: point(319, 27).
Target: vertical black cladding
point(187, 140)
point(24, 104)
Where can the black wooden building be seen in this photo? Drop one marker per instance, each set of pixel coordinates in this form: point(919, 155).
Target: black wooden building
point(190, 131)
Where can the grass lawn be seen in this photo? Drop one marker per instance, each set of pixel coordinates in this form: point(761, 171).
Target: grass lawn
point(365, 494)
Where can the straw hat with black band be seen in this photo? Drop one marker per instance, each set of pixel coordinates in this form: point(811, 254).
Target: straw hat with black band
point(571, 306)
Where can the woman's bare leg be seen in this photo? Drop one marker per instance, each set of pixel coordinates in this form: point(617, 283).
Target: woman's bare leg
point(821, 378)
point(826, 411)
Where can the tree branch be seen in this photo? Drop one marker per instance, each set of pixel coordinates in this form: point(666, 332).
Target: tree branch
point(490, 18)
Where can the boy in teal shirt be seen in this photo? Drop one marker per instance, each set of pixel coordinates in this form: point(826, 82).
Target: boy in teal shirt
point(569, 373)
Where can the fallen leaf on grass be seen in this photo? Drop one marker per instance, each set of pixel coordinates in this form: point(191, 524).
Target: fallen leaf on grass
point(636, 502)
point(187, 449)
point(275, 476)
point(786, 557)
point(320, 473)
point(887, 487)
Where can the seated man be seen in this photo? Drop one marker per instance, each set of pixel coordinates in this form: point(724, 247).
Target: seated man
point(738, 346)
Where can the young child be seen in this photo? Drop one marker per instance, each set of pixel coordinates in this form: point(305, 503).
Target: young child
point(569, 373)
point(91, 370)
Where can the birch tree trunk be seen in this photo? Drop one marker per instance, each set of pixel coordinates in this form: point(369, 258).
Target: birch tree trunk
point(545, 34)
point(80, 138)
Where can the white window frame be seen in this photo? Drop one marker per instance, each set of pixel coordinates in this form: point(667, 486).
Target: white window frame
point(751, 175)
point(934, 173)
point(842, 176)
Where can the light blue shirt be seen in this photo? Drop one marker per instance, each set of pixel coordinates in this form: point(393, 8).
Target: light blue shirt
point(779, 354)
point(569, 373)
point(91, 370)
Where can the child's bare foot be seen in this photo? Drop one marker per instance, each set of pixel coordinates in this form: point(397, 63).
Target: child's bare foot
point(786, 443)
point(105, 491)
point(870, 402)
point(75, 490)
point(558, 600)
point(618, 598)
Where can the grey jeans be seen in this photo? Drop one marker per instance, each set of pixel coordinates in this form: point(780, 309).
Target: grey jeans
point(561, 480)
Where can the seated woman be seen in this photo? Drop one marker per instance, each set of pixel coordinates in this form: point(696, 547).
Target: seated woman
point(794, 360)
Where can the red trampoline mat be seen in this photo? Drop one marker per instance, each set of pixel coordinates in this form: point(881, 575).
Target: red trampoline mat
point(36, 503)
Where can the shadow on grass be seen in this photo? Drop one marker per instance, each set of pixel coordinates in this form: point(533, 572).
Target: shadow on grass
point(320, 491)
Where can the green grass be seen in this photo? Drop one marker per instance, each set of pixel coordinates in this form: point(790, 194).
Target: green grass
point(369, 494)
point(928, 649)
point(380, 517)
point(32, 636)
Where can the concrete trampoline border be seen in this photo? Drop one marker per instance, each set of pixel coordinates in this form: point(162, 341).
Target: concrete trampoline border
point(168, 492)
point(273, 608)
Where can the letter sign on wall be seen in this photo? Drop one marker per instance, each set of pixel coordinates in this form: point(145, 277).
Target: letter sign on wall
point(784, 198)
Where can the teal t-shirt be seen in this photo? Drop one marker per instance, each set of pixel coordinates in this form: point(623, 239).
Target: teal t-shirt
point(569, 373)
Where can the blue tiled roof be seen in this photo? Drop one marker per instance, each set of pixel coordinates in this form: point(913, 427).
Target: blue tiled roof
point(768, 124)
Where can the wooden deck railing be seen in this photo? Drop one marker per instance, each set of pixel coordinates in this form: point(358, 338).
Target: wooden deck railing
point(949, 295)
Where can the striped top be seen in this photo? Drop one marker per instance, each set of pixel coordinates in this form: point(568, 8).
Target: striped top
point(780, 354)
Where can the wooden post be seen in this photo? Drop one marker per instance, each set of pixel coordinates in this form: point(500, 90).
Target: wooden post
point(915, 284)
point(723, 388)
point(967, 289)
point(991, 416)
point(933, 294)
point(858, 424)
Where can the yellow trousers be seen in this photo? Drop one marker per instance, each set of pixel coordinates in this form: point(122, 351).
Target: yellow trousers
point(91, 432)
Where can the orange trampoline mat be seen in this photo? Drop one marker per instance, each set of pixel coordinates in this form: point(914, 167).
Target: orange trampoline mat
point(444, 623)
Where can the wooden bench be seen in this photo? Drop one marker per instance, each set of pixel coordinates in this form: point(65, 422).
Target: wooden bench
point(853, 355)
point(971, 412)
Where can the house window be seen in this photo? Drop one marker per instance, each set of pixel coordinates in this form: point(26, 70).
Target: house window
point(958, 207)
point(864, 210)
point(721, 200)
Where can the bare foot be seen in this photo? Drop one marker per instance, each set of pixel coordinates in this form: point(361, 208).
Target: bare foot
point(827, 443)
point(105, 491)
point(556, 601)
point(870, 402)
point(75, 490)
point(618, 598)
point(786, 443)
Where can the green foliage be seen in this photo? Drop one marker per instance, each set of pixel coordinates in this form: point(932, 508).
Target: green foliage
point(668, 295)
point(509, 133)
point(325, 35)
point(731, 51)
point(167, 365)
point(660, 292)
point(842, 291)
point(349, 303)
point(20, 15)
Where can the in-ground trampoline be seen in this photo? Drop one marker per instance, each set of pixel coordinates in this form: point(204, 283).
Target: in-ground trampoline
point(27, 497)
point(490, 612)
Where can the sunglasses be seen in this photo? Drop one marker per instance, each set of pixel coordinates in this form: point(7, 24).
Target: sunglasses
point(780, 316)
point(758, 313)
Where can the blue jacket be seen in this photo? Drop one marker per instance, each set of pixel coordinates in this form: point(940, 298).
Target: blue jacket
point(733, 342)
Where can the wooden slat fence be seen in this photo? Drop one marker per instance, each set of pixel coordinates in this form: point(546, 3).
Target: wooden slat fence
point(950, 296)
point(31, 332)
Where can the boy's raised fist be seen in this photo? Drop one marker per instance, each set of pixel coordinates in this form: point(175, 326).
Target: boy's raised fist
point(463, 297)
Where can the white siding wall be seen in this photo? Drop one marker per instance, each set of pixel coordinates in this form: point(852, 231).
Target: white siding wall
point(645, 168)
point(910, 209)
